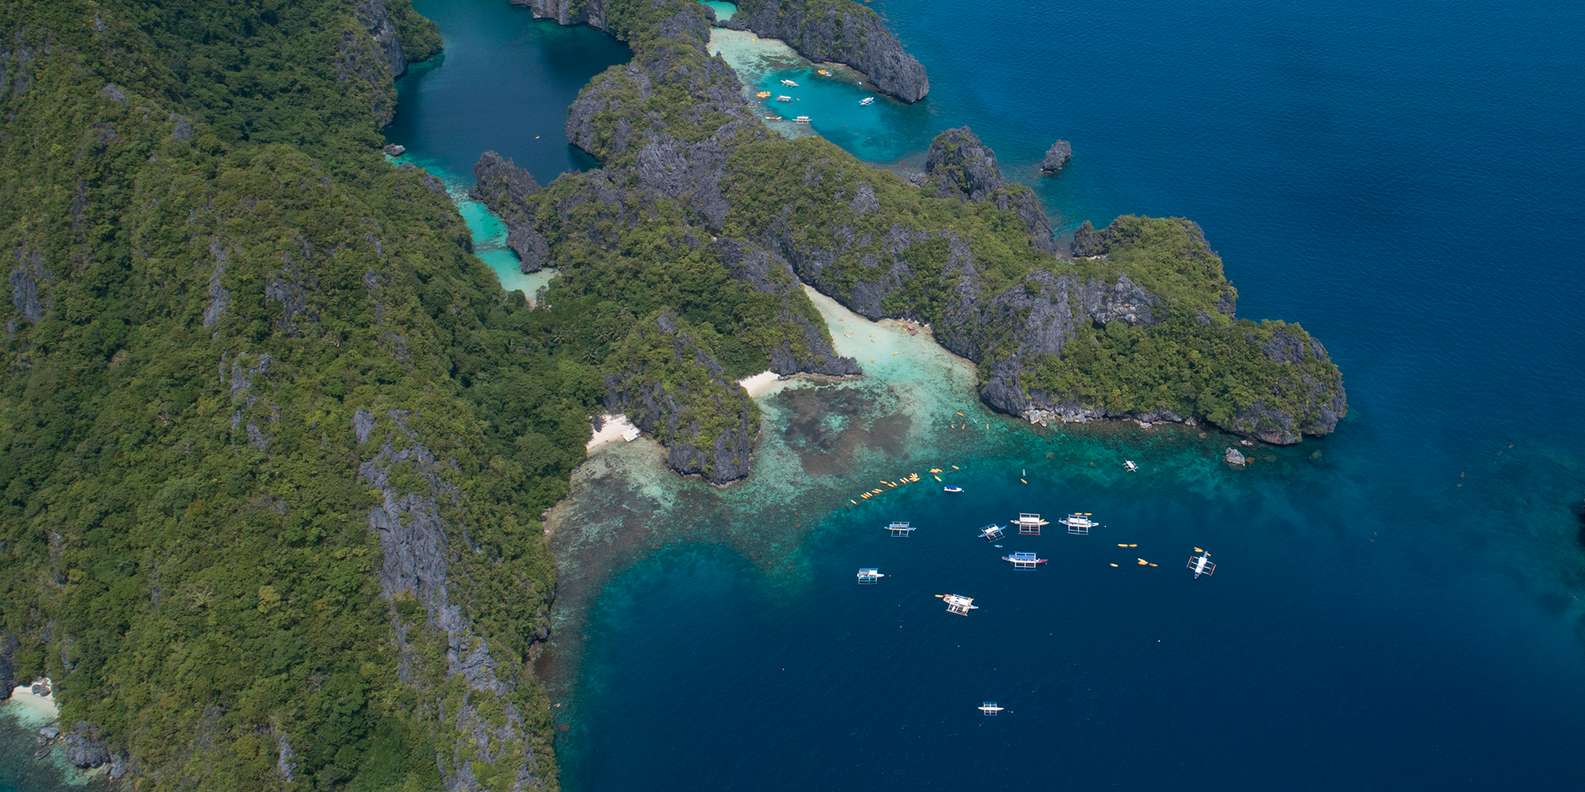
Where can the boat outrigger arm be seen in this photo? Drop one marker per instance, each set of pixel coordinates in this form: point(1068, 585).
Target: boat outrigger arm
point(958, 604)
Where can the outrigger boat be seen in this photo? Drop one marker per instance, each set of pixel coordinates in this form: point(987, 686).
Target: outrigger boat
point(990, 709)
point(784, 98)
point(870, 576)
point(1128, 465)
point(801, 120)
point(901, 529)
point(867, 101)
point(1023, 560)
point(762, 95)
point(1079, 523)
point(789, 83)
point(952, 488)
point(991, 533)
point(1029, 524)
point(1201, 564)
point(958, 604)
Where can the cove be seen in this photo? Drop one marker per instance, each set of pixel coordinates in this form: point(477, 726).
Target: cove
point(503, 82)
point(1397, 605)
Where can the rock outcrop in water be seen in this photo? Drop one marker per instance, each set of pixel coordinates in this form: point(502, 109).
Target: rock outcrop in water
point(838, 31)
point(505, 188)
point(1056, 158)
point(960, 166)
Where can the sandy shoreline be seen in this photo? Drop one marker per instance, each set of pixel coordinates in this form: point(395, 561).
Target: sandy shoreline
point(613, 428)
point(30, 709)
point(760, 384)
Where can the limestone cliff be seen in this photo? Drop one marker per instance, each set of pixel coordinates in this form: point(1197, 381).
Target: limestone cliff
point(838, 31)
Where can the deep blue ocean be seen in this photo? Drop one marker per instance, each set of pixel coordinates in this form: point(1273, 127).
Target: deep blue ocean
point(1397, 605)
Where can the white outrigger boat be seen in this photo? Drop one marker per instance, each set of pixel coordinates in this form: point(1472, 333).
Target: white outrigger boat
point(869, 576)
point(990, 709)
point(1080, 523)
point(784, 98)
point(900, 529)
point(952, 488)
point(958, 604)
point(867, 101)
point(1128, 465)
point(991, 533)
point(1201, 564)
point(801, 120)
point(1029, 524)
point(789, 83)
point(1024, 560)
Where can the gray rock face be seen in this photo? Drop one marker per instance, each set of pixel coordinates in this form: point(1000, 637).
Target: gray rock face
point(1056, 158)
point(219, 297)
point(1087, 242)
point(1234, 458)
point(959, 165)
point(641, 393)
point(8, 649)
point(414, 546)
point(839, 32)
point(498, 181)
point(374, 18)
point(25, 281)
point(771, 274)
point(506, 188)
point(84, 747)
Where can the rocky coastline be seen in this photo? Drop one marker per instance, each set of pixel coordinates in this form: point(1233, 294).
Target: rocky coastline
point(653, 153)
point(838, 31)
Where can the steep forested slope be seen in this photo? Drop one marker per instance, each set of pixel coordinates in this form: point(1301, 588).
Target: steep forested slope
point(272, 444)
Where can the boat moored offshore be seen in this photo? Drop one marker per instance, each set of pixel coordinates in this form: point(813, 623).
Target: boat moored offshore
point(1023, 560)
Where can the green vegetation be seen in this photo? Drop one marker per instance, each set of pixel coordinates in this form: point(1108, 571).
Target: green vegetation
point(193, 191)
point(217, 283)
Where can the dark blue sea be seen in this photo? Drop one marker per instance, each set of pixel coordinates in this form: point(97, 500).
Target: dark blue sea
point(1397, 606)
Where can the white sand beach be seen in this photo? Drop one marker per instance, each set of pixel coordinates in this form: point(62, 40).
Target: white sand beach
point(613, 428)
point(760, 384)
point(30, 709)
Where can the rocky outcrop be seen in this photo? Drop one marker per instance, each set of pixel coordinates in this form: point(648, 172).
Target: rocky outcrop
point(8, 649)
point(671, 387)
point(25, 281)
point(415, 545)
point(369, 57)
point(85, 747)
point(378, 24)
point(499, 182)
point(809, 351)
point(1056, 158)
point(838, 31)
point(505, 188)
point(1316, 406)
point(1234, 458)
point(219, 296)
point(959, 165)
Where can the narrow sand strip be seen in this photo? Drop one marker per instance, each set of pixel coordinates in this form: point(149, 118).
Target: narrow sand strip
point(760, 384)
